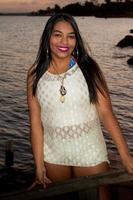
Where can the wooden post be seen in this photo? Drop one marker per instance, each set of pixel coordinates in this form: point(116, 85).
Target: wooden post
point(9, 156)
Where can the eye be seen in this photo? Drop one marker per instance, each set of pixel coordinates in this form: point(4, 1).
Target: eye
point(72, 36)
point(56, 34)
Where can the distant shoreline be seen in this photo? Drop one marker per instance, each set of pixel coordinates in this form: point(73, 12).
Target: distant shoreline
point(105, 10)
point(97, 16)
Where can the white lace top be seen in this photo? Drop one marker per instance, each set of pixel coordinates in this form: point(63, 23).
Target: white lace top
point(72, 132)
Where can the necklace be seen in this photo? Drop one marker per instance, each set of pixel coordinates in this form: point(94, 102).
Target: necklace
point(61, 77)
point(62, 89)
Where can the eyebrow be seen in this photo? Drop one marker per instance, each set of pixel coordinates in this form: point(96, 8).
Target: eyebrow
point(61, 32)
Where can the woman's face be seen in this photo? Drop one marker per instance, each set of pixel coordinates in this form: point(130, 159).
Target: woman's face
point(63, 40)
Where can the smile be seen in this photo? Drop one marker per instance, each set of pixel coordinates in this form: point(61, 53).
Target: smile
point(63, 49)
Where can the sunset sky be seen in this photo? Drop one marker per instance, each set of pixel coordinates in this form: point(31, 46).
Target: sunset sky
point(31, 5)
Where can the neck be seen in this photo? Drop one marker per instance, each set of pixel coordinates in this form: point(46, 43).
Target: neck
point(61, 65)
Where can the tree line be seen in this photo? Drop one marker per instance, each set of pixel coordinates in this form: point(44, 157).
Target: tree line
point(107, 9)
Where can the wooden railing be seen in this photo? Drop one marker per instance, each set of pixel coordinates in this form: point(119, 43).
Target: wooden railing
point(85, 183)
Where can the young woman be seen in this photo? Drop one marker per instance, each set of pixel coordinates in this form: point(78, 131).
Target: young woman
point(67, 99)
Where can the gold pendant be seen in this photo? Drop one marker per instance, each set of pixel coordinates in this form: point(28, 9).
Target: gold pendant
point(62, 99)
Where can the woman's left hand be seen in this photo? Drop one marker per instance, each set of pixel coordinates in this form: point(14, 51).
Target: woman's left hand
point(128, 163)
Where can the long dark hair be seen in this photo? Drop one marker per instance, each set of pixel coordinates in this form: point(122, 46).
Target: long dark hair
point(87, 64)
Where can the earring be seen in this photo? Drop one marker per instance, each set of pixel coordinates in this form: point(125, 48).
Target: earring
point(77, 52)
point(47, 53)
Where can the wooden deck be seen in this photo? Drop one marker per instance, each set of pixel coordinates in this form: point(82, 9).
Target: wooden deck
point(83, 188)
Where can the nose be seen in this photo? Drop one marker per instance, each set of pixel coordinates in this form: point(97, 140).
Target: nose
point(64, 40)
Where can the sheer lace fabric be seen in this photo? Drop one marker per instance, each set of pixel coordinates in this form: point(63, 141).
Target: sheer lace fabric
point(72, 131)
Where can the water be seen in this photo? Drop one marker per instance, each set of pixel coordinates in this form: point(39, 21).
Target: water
point(19, 40)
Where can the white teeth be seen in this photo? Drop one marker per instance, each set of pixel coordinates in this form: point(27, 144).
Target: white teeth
point(63, 48)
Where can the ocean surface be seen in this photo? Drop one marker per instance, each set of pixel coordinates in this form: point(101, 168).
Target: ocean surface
point(19, 41)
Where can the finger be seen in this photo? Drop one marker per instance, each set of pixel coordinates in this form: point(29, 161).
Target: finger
point(45, 177)
point(44, 185)
point(130, 171)
point(32, 186)
point(47, 180)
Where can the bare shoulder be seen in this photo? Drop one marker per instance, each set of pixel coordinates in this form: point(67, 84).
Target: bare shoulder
point(30, 80)
point(32, 100)
point(30, 77)
point(29, 73)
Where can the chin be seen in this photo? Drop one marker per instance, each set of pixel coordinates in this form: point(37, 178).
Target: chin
point(63, 55)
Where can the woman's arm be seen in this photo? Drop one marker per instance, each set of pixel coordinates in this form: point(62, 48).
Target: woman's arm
point(37, 135)
point(110, 122)
point(36, 130)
